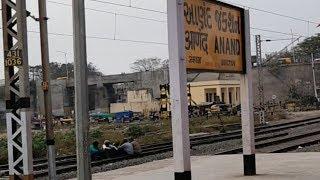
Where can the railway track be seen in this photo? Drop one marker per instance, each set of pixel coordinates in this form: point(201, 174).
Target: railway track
point(266, 137)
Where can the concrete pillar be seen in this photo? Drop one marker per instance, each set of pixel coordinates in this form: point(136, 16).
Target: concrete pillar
point(234, 96)
point(110, 96)
point(238, 95)
point(100, 100)
point(219, 93)
point(227, 96)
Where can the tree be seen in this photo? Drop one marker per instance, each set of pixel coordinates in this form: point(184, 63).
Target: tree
point(59, 70)
point(309, 45)
point(148, 64)
point(302, 51)
point(165, 64)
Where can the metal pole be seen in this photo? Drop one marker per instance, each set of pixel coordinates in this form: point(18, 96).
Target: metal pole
point(314, 78)
point(17, 92)
point(293, 50)
point(178, 90)
point(81, 90)
point(66, 61)
point(247, 118)
point(47, 89)
point(260, 81)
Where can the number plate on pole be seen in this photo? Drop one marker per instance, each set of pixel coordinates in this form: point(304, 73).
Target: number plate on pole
point(13, 58)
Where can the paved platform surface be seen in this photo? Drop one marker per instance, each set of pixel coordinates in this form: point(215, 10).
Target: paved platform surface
point(289, 166)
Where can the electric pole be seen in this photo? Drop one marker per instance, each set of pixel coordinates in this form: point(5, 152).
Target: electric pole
point(51, 153)
point(66, 62)
point(81, 90)
point(293, 50)
point(17, 90)
point(260, 81)
point(315, 87)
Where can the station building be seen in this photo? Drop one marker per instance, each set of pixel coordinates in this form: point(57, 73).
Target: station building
point(227, 91)
point(137, 101)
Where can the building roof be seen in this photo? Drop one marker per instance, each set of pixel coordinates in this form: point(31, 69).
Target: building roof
point(207, 76)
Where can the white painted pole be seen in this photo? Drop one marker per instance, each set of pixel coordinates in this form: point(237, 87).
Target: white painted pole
point(178, 90)
point(247, 118)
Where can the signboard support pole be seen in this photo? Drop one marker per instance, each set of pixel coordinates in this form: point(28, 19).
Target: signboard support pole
point(178, 90)
point(247, 118)
point(81, 90)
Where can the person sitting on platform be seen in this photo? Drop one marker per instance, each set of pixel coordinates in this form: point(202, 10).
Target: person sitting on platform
point(94, 150)
point(126, 148)
point(136, 146)
point(109, 149)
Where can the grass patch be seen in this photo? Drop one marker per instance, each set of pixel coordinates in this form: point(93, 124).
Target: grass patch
point(3, 151)
point(146, 132)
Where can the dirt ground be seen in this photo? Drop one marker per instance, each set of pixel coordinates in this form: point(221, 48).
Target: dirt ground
point(304, 114)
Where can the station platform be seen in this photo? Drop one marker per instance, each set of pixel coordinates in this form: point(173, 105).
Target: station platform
point(286, 166)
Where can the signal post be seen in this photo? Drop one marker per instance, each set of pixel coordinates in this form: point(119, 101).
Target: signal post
point(17, 92)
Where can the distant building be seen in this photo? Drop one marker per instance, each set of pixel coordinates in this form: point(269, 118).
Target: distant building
point(105, 91)
point(210, 87)
point(227, 91)
point(137, 101)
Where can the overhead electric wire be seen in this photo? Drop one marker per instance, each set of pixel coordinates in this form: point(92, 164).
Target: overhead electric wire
point(163, 12)
point(129, 6)
point(253, 8)
point(118, 39)
point(272, 12)
point(150, 19)
point(105, 38)
point(277, 32)
point(109, 12)
point(125, 40)
point(273, 40)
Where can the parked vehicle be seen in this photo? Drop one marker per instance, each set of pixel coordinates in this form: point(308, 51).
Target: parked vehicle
point(236, 110)
point(222, 108)
point(154, 116)
point(102, 117)
point(125, 116)
point(137, 116)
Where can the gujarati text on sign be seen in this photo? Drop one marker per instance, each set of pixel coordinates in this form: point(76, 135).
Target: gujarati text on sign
point(214, 36)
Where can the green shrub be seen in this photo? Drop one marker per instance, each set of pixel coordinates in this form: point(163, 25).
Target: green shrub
point(149, 129)
point(39, 145)
point(3, 151)
point(96, 134)
point(134, 131)
point(66, 143)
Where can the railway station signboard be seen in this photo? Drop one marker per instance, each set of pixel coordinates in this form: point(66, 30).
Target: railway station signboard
point(214, 36)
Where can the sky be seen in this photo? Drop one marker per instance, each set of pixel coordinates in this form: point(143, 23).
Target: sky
point(144, 38)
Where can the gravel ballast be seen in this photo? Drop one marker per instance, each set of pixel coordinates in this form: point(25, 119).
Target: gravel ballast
point(201, 150)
